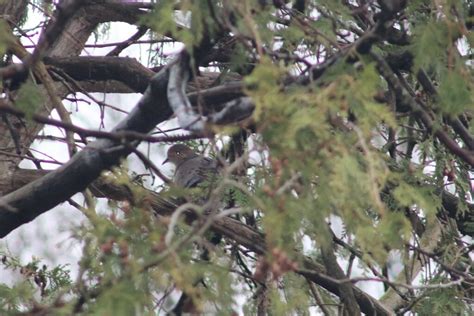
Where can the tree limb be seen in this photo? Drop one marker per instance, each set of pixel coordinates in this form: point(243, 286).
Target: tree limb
point(41, 195)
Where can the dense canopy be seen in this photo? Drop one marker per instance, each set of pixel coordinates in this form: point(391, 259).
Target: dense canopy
point(342, 132)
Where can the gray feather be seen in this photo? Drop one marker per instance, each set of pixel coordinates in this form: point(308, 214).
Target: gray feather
point(195, 170)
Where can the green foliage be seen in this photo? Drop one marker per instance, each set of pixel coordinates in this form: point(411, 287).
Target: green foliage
point(323, 143)
point(441, 301)
point(29, 98)
point(188, 26)
point(429, 45)
point(456, 93)
point(124, 298)
point(34, 280)
point(12, 299)
point(407, 195)
point(349, 172)
point(263, 87)
point(286, 302)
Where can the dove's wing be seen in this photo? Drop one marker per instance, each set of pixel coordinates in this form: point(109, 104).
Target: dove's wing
point(195, 170)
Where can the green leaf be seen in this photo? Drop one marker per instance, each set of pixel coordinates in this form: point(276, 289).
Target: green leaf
point(409, 196)
point(455, 96)
point(29, 98)
point(429, 46)
point(442, 301)
point(262, 85)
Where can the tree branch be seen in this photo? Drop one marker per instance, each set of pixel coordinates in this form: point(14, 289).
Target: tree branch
point(188, 118)
point(26, 203)
point(333, 269)
point(226, 226)
point(420, 113)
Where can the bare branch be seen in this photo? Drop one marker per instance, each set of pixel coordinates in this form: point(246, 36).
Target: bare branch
point(386, 72)
point(232, 111)
point(41, 195)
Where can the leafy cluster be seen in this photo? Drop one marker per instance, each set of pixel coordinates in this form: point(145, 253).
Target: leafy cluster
point(359, 149)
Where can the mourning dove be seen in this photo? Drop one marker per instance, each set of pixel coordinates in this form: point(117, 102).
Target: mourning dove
point(191, 168)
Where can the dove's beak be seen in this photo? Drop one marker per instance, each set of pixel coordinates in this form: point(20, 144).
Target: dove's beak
point(166, 160)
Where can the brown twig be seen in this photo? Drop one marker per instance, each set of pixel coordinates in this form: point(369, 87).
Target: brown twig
point(121, 46)
point(420, 112)
point(149, 164)
point(120, 136)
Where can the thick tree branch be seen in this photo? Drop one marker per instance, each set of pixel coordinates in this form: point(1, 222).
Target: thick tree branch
point(121, 136)
point(64, 10)
point(179, 76)
point(136, 76)
point(27, 203)
point(70, 42)
point(188, 118)
point(345, 289)
point(135, 37)
point(100, 68)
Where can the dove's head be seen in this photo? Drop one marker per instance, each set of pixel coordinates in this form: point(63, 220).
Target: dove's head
point(179, 153)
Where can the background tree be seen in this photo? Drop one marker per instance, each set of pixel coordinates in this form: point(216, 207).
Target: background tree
point(342, 128)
